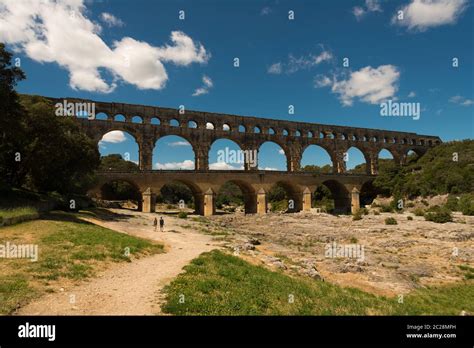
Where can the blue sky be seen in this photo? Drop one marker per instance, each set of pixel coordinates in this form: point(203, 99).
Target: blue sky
point(282, 62)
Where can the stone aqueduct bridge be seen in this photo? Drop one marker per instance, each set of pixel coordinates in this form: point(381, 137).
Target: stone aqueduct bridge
point(201, 129)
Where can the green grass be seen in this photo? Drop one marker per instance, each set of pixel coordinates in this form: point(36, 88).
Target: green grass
point(14, 212)
point(68, 248)
point(220, 284)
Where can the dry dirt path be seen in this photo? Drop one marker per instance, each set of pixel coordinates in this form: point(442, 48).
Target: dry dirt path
point(129, 288)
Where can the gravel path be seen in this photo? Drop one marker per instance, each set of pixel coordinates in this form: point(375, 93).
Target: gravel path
point(129, 288)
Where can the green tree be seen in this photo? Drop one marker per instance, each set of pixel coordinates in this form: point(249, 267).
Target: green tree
point(59, 157)
point(115, 162)
point(12, 129)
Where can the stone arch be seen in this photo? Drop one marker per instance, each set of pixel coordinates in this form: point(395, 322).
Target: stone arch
point(293, 195)
point(120, 118)
point(195, 190)
point(136, 194)
point(228, 156)
point(308, 148)
point(192, 124)
point(155, 121)
point(248, 193)
point(262, 160)
point(350, 167)
point(180, 146)
point(112, 138)
point(137, 119)
point(101, 116)
point(341, 196)
point(210, 126)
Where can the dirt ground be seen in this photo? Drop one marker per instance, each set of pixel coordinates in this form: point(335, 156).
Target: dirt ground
point(385, 260)
point(131, 288)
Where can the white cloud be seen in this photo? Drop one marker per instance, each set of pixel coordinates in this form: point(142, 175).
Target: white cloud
point(460, 100)
point(295, 64)
point(281, 151)
point(179, 143)
point(265, 11)
point(113, 137)
point(370, 6)
point(370, 85)
point(358, 12)
point(186, 165)
point(423, 14)
point(111, 20)
point(224, 166)
point(267, 168)
point(209, 125)
point(60, 32)
point(207, 84)
point(322, 81)
point(275, 69)
point(412, 94)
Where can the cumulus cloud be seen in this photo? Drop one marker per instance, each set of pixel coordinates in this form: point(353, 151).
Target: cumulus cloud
point(412, 94)
point(113, 137)
point(267, 168)
point(460, 100)
point(281, 151)
point(204, 89)
point(275, 69)
point(295, 64)
point(186, 165)
point(111, 20)
point(370, 6)
point(179, 143)
point(224, 166)
point(370, 85)
point(424, 14)
point(60, 32)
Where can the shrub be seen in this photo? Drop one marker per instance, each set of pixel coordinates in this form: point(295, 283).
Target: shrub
point(466, 204)
point(182, 215)
point(386, 208)
point(419, 212)
point(357, 215)
point(452, 203)
point(390, 221)
point(376, 212)
point(410, 205)
point(424, 202)
point(364, 211)
point(440, 216)
point(409, 218)
point(169, 206)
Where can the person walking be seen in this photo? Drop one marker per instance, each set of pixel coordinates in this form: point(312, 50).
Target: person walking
point(162, 224)
point(155, 223)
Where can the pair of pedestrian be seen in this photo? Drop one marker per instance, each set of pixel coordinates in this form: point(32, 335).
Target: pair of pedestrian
point(162, 223)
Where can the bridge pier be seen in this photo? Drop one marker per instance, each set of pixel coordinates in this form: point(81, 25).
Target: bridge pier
point(209, 206)
point(261, 202)
point(148, 201)
point(355, 200)
point(307, 199)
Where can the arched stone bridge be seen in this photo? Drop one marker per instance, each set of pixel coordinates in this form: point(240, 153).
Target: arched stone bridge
point(148, 123)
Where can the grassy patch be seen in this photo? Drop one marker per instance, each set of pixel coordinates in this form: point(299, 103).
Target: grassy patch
point(15, 212)
point(220, 284)
point(68, 248)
